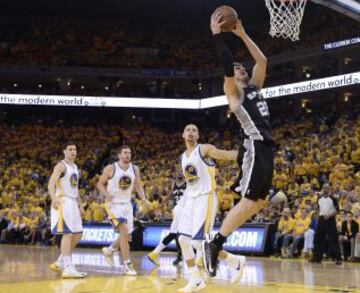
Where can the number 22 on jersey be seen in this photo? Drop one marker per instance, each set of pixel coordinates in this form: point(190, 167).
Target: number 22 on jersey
point(263, 108)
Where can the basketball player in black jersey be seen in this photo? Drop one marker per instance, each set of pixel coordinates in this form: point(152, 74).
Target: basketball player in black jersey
point(178, 189)
point(256, 155)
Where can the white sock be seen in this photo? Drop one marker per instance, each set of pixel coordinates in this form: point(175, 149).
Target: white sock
point(66, 261)
point(111, 248)
point(231, 259)
point(127, 262)
point(194, 272)
point(198, 247)
point(159, 248)
point(60, 259)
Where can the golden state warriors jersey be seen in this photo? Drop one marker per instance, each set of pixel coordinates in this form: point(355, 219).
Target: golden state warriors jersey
point(121, 184)
point(67, 185)
point(199, 173)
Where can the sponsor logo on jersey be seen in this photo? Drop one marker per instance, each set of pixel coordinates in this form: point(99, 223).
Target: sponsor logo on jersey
point(191, 174)
point(74, 180)
point(124, 182)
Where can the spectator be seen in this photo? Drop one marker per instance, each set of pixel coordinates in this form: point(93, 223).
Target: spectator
point(301, 226)
point(349, 230)
point(309, 237)
point(283, 236)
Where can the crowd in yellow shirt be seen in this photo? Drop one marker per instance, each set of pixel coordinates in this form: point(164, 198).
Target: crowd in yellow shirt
point(309, 153)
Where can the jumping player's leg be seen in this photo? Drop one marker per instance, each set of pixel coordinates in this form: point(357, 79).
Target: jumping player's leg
point(254, 187)
point(239, 214)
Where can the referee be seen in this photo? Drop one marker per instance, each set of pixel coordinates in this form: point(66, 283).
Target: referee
point(328, 207)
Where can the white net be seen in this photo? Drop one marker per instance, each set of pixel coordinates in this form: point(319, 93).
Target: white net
point(286, 17)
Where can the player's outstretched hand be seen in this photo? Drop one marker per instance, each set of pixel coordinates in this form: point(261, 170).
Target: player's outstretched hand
point(239, 30)
point(216, 23)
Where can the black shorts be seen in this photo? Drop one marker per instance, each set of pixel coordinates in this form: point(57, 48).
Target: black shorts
point(256, 160)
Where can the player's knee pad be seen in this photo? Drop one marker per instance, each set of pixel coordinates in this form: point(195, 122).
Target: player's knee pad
point(186, 247)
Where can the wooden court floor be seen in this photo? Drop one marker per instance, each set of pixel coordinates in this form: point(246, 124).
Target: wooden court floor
point(25, 269)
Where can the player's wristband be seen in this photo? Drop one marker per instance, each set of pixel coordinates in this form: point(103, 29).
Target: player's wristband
point(224, 54)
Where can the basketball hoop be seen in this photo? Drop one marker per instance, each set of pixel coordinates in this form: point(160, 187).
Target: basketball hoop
point(286, 17)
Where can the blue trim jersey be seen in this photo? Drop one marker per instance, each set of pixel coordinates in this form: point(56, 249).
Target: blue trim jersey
point(199, 173)
point(121, 184)
point(67, 185)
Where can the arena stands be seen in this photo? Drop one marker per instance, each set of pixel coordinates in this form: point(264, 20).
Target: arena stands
point(314, 155)
point(79, 43)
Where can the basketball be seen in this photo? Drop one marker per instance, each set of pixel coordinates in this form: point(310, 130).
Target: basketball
point(229, 15)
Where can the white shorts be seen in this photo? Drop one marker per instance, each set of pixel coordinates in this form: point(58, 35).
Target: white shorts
point(176, 215)
point(66, 219)
point(119, 213)
point(198, 216)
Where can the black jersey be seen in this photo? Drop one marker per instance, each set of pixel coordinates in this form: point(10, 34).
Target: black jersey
point(178, 192)
point(253, 115)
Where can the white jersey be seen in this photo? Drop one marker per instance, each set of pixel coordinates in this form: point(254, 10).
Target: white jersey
point(199, 173)
point(67, 185)
point(120, 186)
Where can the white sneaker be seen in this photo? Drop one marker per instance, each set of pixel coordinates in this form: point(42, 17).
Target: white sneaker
point(71, 272)
point(194, 285)
point(238, 267)
point(109, 255)
point(129, 270)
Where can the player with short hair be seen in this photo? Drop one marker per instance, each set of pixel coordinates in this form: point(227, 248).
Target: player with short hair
point(199, 210)
point(256, 156)
point(117, 183)
point(66, 211)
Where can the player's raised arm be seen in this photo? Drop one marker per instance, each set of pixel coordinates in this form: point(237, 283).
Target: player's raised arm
point(224, 54)
point(208, 150)
point(55, 176)
point(259, 70)
point(105, 176)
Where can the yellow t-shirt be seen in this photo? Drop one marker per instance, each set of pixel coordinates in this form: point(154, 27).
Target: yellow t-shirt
point(298, 212)
point(315, 182)
point(299, 170)
point(6, 198)
point(98, 212)
point(88, 214)
point(286, 226)
point(280, 180)
point(301, 225)
point(293, 189)
point(355, 156)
